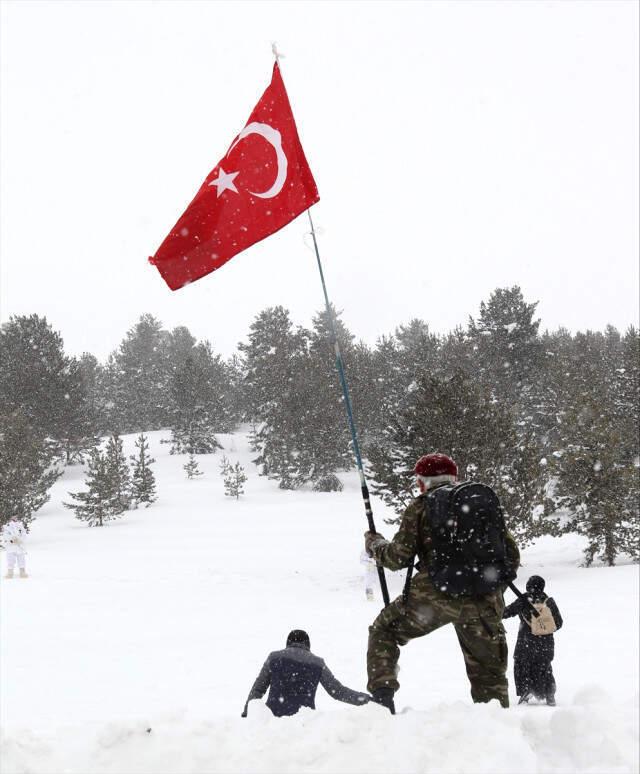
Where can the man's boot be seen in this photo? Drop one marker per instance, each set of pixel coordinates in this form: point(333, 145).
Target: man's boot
point(551, 700)
point(384, 696)
point(9, 573)
point(23, 573)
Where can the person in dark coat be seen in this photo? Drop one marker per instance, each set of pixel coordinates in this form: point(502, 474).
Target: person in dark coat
point(292, 676)
point(534, 653)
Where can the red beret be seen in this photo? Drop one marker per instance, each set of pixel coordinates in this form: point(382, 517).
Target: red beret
point(435, 465)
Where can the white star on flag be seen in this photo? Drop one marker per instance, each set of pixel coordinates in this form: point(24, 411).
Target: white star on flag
point(224, 181)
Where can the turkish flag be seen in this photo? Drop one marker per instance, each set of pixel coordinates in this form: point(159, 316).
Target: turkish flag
point(262, 183)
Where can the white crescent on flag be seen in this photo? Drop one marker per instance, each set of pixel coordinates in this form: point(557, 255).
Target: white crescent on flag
point(273, 137)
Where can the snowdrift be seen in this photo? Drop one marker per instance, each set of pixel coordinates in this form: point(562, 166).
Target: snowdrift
point(592, 736)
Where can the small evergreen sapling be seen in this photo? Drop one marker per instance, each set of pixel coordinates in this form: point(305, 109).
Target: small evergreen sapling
point(143, 483)
point(95, 505)
point(192, 468)
point(234, 477)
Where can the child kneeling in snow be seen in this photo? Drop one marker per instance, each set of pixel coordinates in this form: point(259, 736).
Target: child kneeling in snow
point(13, 535)
point(292, 676)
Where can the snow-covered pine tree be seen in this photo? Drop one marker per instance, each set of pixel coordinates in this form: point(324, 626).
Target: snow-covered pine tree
point(138, 377)
point(143, 483)
point(27, 469)
point(224, 465)
point(458, 418)
point(384, 387)
point(234, 478)
point(267, 359)
point(599, 484)
point(278, 394)
point(199, 388)
point(417, 350)
point(506, 337)
point(179, 344)
point(96, 504)
point(236, 403)
point(118, 475)
point(325, 445)
point(192, 468)
point(78, 416)
point(38, 379)
point(111, 391)
point(627, 395)
point(509, 358)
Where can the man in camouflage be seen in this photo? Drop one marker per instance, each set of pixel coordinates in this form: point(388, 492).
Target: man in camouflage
point(477, 621)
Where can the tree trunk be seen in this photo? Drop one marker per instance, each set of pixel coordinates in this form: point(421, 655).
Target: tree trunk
point(609, 547)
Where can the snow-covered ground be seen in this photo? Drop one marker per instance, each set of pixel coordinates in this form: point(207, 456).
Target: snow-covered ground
point(132, 648)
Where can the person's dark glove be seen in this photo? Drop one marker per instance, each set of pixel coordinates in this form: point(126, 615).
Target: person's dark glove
point(244, 713)
point(371, 539)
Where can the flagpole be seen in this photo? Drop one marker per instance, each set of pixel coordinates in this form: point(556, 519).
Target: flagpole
point(347, 402)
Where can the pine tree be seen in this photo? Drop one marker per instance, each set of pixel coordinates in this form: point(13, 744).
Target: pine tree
point(267, 360)
point(112, 391)
point(509, 356)
point(506, 336)
point(325, 446)
point(599, 484)
point(39, 380)
point(78, 415)
point(457, 417)
point(626, 398)
point(143, 484)
point(138, 378)
point(418, 350)
point(234, 477)
point(236, 400)
point(199, 412)
point(279, 395)
point(118, 474)
point(192, 468)
point(179, 344)
point(27, 469)
point(96, 504)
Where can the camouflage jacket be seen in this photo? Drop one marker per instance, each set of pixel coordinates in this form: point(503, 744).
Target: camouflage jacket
point(400, 552)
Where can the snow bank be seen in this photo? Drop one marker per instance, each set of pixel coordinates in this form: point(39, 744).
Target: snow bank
point(593, 735)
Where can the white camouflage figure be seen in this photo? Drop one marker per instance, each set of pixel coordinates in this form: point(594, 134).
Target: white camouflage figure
point(370, 574)
point(13, 536)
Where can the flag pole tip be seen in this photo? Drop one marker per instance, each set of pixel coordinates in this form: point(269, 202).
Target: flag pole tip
point(276, 53)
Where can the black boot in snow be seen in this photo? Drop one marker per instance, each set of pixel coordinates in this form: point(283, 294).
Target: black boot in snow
point(551, 700)
point(384, 696)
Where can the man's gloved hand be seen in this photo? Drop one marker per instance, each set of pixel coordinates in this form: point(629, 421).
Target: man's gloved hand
point(371, 539)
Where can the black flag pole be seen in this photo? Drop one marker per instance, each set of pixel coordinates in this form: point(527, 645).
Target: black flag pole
point(347, 402)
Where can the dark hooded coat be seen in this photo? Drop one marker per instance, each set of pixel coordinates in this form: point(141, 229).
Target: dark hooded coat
point(533, 653)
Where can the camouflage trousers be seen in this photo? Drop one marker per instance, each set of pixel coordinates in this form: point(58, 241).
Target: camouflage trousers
point(478, 624)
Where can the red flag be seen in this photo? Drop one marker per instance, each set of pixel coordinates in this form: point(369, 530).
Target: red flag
point(262, 183)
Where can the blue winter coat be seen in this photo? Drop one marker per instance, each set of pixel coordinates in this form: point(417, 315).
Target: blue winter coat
point(292, 676)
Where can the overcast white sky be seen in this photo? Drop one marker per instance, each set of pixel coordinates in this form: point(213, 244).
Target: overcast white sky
point(457, 147)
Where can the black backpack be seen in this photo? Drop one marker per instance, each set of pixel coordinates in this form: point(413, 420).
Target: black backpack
point(466, 550)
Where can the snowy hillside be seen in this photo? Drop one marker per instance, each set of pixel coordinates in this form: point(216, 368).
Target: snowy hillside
point(131, 648)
